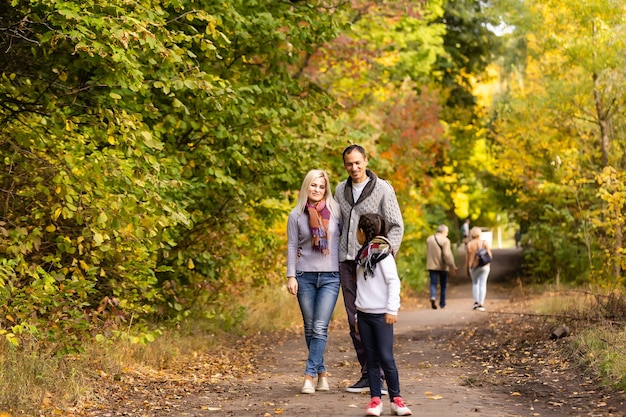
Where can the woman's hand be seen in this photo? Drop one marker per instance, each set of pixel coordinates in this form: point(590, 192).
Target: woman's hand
point(390, 318)
point(292, 285)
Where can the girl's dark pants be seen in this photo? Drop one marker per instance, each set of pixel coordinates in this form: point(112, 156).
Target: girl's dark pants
point(377, 339)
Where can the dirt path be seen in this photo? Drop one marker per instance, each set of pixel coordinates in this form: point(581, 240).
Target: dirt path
point(452, 362)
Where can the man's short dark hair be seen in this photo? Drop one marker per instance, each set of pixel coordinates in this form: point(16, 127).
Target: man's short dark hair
point(351, 149)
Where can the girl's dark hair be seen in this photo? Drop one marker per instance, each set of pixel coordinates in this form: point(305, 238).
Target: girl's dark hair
point(373, 225)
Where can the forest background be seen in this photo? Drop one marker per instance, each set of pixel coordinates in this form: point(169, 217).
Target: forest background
point(151, 150)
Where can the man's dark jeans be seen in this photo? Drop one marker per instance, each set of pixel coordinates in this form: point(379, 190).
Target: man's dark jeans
point(441, 278)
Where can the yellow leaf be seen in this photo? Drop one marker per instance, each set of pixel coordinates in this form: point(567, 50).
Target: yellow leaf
point(50, 228)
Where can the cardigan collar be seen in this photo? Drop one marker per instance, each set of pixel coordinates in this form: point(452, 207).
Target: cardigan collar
point(347, 191)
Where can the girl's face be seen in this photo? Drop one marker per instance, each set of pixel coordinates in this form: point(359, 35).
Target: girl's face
point(360, 236)
point(316, 190)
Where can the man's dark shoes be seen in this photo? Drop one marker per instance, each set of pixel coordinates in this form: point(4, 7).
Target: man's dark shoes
point(433, 303)
point(362, 385)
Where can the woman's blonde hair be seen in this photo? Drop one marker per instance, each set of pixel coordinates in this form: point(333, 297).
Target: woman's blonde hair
point(475, 232)
point(311, 176)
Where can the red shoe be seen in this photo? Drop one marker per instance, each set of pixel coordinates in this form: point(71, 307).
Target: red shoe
point(374, 408)
point(398, 408)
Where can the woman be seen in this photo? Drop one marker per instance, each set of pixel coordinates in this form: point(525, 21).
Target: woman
point(313, 269)
point(478, 273)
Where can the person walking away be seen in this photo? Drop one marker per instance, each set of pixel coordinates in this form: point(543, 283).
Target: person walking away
point(362, 192)
point(313, 229)
point(465, 231)
point(439, 261)
point(518, 238)
point(377, 303)
point(479, 274)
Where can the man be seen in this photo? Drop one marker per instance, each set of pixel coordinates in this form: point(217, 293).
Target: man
point(439, 260)
point(363, 192)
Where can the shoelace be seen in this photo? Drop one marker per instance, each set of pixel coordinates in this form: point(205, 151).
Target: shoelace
point(398, 401)
point(373, 404)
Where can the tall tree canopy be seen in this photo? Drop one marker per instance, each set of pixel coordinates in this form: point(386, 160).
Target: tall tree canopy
point(559, 135)
point(151, 149)
point(137, 137)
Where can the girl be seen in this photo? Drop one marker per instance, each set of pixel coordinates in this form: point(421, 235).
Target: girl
point(313, 269)
point(377, 304)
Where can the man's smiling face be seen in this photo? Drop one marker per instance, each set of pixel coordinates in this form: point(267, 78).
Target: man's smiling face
point(355, 163)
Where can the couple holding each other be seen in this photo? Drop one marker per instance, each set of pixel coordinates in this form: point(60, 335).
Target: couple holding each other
point(333, 244)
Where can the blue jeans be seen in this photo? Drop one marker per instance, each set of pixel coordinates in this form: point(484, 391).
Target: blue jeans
point(441, 278)
point(317, 295)
point(377, 338)
point(479, 283)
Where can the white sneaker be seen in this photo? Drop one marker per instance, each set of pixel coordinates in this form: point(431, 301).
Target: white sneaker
point(374, 408)
point(398, 408)
point(322, 384)
point(308, 387)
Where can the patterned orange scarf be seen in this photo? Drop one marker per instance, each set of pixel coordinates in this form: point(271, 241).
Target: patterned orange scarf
point(319, 216)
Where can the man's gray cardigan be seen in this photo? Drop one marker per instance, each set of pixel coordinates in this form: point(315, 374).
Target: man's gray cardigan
point(379, 197)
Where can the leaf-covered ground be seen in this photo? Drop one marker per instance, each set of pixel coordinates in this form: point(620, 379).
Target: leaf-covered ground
point(494, 363)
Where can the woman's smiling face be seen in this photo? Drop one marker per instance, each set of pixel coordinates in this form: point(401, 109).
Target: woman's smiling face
point(316, 190)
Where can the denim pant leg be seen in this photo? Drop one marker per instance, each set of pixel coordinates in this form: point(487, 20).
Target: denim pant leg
point(474, 276)
point(443, 287)
point(479, 283)
point(482, 283)
point(434, 281)
point(317, 296)
point(441, 278)
point(347, 271)
point(377, 337)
